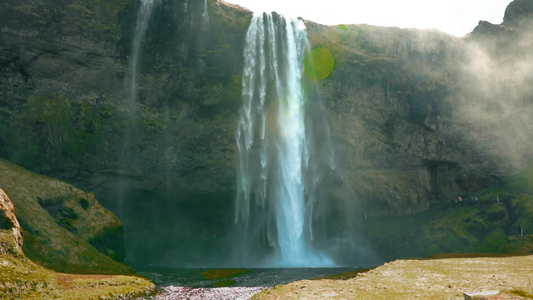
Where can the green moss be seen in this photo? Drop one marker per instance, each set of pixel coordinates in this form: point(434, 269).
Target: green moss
point(225, 283)
point(521, 293)
point(23, 279)
point(494, 241)
point(56, 228)
point(224, 273)
point(223, 276)
point(496, 212)
point(62, 133)
point(521, 182)
point(99, 19)
point(345, 275)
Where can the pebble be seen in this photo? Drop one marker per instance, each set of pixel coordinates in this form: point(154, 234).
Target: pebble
point(178, 292)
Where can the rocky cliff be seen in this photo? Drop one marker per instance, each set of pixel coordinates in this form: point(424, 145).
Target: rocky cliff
point(404, 108)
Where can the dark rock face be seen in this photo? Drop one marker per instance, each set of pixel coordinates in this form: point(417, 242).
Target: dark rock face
point(391, 102)
point(65, 86)
point(395, 102)
point(519, 13)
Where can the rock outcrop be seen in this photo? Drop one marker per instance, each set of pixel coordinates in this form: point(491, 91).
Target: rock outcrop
point(9, 225)
point(64, 228)
point(519, 13)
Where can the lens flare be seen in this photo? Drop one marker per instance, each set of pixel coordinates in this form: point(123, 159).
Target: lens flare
point(319, 63)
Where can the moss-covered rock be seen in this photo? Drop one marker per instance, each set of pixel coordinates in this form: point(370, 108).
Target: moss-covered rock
point(23, 279)
point(64, 227)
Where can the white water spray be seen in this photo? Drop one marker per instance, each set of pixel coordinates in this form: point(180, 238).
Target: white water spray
point(274, 204)
point(205, 17)
point(143, 18)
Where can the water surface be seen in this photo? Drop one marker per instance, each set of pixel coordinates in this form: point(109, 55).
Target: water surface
point(253, 278)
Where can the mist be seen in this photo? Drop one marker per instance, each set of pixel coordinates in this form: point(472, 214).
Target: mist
point(495, 88)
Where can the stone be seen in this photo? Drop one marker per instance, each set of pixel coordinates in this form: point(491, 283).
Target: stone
point(9, 222)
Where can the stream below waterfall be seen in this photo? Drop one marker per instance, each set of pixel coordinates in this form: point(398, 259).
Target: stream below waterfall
point(179, 283)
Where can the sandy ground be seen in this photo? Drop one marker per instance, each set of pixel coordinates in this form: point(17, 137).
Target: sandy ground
point(418, 279)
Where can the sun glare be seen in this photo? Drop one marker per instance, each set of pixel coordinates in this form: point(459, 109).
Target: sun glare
point(456, 17)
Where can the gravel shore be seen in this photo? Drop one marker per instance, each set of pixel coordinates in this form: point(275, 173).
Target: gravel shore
point(237, 293)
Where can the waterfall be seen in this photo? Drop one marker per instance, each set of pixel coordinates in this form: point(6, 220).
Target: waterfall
point(205, 17)
point(275, 179)
point(143, 17)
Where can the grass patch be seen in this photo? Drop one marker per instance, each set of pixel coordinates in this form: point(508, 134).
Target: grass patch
point(224, 273)
point(344, 275)
point(522, 293)
point(472, 255)
point(225, 283)
point(22, 278)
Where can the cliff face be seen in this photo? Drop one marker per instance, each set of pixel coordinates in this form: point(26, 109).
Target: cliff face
point(390, 100)
point(404, 138)
point(66, 106)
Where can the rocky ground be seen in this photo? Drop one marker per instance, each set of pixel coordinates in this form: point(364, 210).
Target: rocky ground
point(236, 293)
point(446, 278)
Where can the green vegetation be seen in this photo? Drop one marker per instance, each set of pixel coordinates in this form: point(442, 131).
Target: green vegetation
point(225, 283)
point(59, 233)
point(522, 293)
point(22, 278)
point(486, 226)
point(55, 129)
point(223, 276)
point(344, 275)
point(224, 273)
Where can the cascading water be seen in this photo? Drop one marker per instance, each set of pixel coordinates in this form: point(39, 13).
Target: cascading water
point(143, 18)
point(275, 176)
point(205, 17)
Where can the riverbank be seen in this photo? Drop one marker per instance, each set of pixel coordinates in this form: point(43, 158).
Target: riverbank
point(445, 278)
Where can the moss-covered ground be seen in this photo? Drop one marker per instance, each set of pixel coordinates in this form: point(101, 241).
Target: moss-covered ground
point(59, 232)
point(224, 277)
point(488, 225)
point(20, 278)
point(445, 278)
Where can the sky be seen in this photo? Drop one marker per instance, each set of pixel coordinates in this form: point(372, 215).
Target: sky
point(456, 17)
